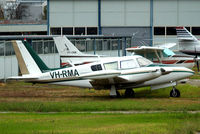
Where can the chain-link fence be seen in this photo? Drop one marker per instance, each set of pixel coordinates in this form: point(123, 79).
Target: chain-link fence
point(48, 52)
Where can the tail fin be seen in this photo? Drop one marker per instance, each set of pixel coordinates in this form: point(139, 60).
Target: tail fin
point(65, 47)
point(184, 34)
point(29, 61)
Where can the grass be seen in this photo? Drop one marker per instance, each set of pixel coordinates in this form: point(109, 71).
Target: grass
point(196, 75)
point(83, 123)
point(24, 97)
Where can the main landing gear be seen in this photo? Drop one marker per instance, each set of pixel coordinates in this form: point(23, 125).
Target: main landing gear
point(175, 92)
point(129, 92)
point(115, 94)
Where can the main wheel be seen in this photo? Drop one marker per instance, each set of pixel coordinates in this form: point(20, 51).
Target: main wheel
point(175, 93)
point(118, 94)
point(129, 92)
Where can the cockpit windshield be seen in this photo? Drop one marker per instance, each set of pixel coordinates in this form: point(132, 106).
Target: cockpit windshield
point(143, 61)
point(128, 64)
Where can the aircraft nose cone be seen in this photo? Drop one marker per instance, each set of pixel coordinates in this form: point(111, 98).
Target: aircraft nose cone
point(186, 71)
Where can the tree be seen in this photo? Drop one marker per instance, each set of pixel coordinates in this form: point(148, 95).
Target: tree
point(1, 13)
point(44, 17)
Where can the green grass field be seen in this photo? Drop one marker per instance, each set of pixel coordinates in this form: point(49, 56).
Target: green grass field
point(34, 101)
point(74, 123)
point(23, 97)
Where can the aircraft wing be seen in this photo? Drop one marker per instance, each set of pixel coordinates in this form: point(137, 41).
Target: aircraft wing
point(102, 79)
point(166, 45)
point(105, 74)
point(144, 49)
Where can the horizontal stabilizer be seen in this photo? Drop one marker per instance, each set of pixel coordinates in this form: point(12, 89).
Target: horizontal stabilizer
point(24, 77)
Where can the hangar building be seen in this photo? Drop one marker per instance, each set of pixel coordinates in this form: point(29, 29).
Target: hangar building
point(142, 18)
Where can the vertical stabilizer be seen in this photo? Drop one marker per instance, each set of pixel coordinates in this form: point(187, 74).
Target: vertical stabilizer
point(21, 62)
point(29, 61)
point(184, 34)
point(65, 47)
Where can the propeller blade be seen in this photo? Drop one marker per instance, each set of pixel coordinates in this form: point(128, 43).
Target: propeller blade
point(196, 58)
point(197, 63)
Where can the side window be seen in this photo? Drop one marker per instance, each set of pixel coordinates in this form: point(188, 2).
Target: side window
point(128, 64)
point(111, 66)
point(96, 67)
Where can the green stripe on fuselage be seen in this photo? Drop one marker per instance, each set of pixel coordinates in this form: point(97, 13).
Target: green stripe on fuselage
point(161, 65)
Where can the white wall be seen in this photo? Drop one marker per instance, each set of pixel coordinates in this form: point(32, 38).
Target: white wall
point(176, 13)
point(71, 13)
point(22, 28)
point(125, 12)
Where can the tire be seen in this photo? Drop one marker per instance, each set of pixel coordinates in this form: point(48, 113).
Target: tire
point(175, 93)
point(129, 92)
point(118, 94)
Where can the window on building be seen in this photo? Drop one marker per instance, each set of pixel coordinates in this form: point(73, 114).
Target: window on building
point(49, 46)
point(11, 33)
point(159, 30)
point(67, 31)
point(38, 46)
point(2, 45)
point(80, 31)
point(171, 30)
point(196, 30)
point(8, 48)
point(56, 31)
point(92, 31)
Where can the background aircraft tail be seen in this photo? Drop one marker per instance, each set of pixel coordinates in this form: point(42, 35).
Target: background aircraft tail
point(65, 47)
point(29, 61)
point(184, 34)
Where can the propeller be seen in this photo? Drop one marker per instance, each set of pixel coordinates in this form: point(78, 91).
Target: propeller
point(196, 59)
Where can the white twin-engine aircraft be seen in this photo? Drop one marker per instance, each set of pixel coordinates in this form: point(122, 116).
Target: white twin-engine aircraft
point(111, 73)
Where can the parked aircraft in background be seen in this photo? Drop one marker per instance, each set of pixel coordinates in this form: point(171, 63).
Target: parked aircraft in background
point(70, 55)
point(188, 43)
point(163, 55)
point(111, 73)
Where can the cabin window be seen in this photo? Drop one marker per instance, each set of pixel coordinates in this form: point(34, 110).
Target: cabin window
point(111, 66)
point(128, 64)
point(96, 67)
point(143, 62)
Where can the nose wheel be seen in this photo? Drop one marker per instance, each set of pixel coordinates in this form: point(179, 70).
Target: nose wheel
point(175, 92)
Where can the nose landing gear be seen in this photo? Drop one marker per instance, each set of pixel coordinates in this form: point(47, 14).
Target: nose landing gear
point(175, 92)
